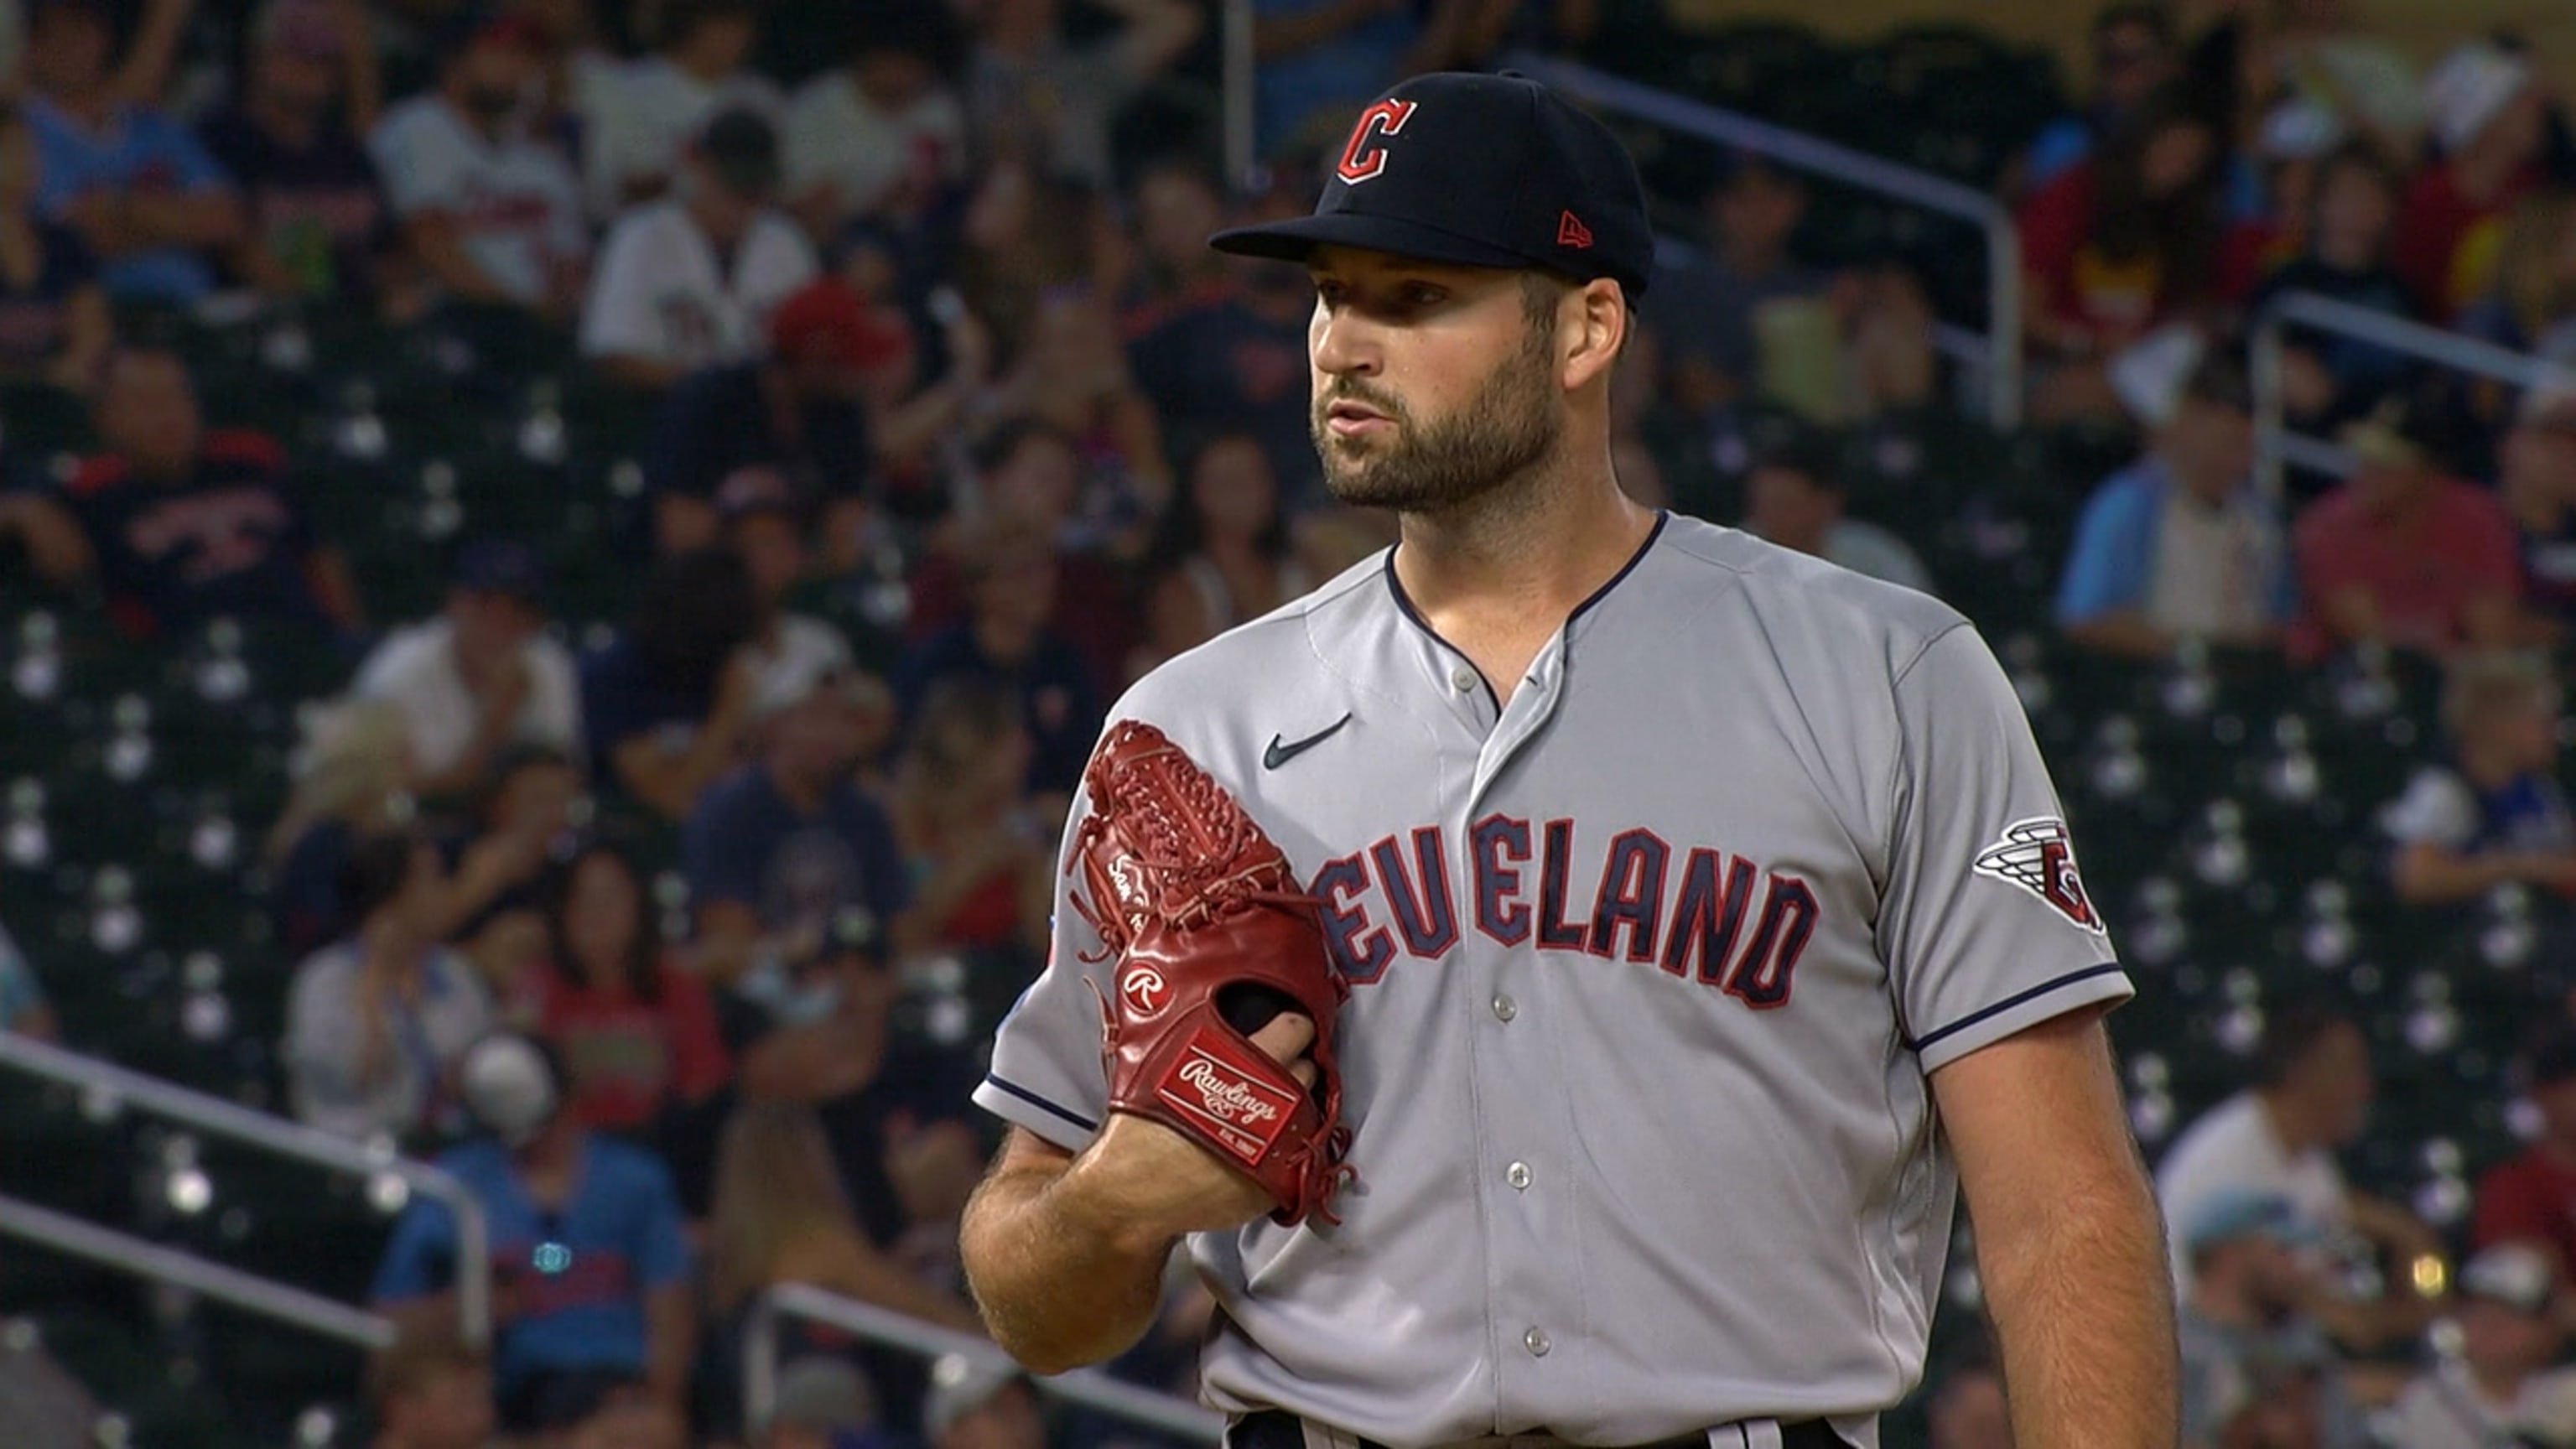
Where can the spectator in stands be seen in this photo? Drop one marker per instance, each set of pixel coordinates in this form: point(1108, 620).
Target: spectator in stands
point(376, 1023)
point(2530, 301)
point(430, 1391)
point(480, 677)
point(590, 1255)
point(2537, 481)
point(780, 847)
point(1711, 310)
point(2181, 544)
point(2135, 54)
point(782, 1216)
point(1967, 1409)
point(638, 120)
point(2501, 1388)
point(2494, 814)
point(1035, 98)
point(668, 703)
point(145, 197)
point(1795, 498)
point(1234, 359)
point(983, 863)
point(799, 411)
point(769, 525)
point(1177, 206)
point(886, 131)
point(973, 1406)
point(1009, 636)
point(54, 323)
point(1072, 375)
point(2330, 379)
point(499, 863)
point(2488, 117)
point(2118, 244)
point(1224, 555)
point(1029, 478)
point(2277, 1139)
point(689, 282)
point(352, 778)
point(637, 1034)
point(2252, 1355)
point(187, 524)
point(2530, 1198)
point(2402, 556)
point(23, 1008)
point(318, 226)
point(491, 213)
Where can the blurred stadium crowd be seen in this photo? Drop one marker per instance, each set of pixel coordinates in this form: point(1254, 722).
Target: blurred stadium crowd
point(559, 560)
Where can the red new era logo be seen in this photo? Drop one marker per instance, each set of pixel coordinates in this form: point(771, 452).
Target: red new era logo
point(1571, 232)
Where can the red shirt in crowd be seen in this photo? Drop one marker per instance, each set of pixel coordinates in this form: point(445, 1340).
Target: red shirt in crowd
point(2443, 247)
point(2116, 301)
point(628, 1056)
point(2424, 569)
point(2530, 1198)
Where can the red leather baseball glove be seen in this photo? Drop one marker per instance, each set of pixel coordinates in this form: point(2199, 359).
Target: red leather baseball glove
point(1203, 917)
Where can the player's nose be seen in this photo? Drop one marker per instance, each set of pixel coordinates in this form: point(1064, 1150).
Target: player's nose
point(1342, 343)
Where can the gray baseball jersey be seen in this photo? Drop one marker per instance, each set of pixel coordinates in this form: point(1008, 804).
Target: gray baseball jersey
point(1649, 967)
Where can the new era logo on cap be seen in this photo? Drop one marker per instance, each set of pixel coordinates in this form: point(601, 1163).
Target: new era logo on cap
point(1484, 170)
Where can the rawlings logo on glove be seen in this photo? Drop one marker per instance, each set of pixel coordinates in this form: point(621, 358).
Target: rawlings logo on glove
point(1195, 903)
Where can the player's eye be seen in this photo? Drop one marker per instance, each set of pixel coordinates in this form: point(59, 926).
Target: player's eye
point(1423, 294)
point(1329, 293)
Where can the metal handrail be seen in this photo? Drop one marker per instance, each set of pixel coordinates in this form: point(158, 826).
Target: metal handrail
point(2002, 344)
point(2274, 443)
point(1086, 1388)
point(1235, 39)
point(145, 1259)
point(117, 1085)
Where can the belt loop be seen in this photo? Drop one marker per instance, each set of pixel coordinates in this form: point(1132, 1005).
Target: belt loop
point(1760, 1433)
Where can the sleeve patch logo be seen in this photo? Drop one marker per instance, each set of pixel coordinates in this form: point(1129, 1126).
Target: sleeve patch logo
point(2037, 856)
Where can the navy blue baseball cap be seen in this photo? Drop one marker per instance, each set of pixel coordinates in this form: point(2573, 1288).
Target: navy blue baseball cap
point(1485, 170)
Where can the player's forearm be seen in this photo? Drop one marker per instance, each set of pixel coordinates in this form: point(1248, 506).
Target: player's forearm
point(1060, 1282)
point(2082, 1300)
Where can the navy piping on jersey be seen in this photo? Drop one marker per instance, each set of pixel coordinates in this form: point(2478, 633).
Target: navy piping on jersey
point(2009, 1002)
point(1041, 1103)
point(1404, 603)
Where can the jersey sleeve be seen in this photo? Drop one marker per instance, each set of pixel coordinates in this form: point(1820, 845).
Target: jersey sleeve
point(1985, 926)
point(1047, 1074)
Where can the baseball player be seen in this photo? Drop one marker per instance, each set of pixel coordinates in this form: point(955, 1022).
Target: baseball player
point(1701, 917)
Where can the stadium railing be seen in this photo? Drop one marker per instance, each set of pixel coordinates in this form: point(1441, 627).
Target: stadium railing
point(108, 1089)
point(2277, 446)
point(1085, 1388)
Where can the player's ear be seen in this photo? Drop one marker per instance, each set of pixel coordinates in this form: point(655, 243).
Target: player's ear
point(1592, 327)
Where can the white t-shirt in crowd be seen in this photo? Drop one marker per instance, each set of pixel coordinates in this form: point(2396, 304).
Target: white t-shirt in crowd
point(836, 134)
point(2213, 567)
point(515, 203)
point(2445, 1409)
point(662, 291)
point(637, 117)
point(2232, 1149)
point(415, 669)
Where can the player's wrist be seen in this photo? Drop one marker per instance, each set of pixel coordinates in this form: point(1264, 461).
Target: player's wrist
point(1094, 1201)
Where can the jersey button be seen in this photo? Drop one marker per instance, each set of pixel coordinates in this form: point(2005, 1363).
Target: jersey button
point(1464, 678)
point(1505, 1008)
point(1518, 1175)
point(1535, 1342)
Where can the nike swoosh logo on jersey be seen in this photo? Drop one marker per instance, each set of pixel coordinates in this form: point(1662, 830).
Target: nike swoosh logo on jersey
point(1279, 754)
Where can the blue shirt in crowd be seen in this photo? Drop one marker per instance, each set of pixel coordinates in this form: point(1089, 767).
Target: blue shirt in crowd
point(578, 1277)
point(2112, 566)
point(141, 151)
point(747, 844)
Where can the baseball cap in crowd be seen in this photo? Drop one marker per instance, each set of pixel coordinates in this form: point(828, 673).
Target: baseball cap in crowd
point(2516, 1275)
point(1483, 170)
point(2242, 1213)
point(741, 148)
point(1794, 445)
point(828, 321)
point(757, 489)
point(299, 27)
point(499, 566)
point(958, 1387)
point(510, 1085)
point(790, 682)
point(2471, 87)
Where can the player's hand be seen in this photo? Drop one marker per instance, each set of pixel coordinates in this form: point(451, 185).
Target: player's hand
point(1155, 1185)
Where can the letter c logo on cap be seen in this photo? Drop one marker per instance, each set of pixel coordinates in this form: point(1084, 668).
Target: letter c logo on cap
point(1362, 160)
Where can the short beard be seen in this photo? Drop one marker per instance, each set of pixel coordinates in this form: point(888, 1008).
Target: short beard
point(1511, 425)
